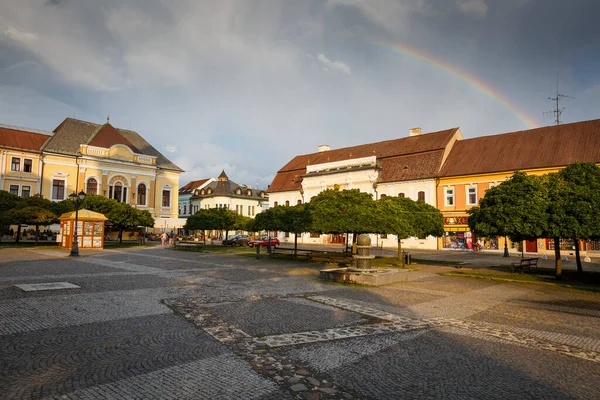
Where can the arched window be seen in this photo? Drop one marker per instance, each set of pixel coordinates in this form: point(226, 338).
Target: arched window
point(275, 204)
point(118, 192)
point(287, 203)
point(238, 191)
point(383, 196)
point(92, 186)
point(299, 202)
point(402, 195)
point(249, 192)
point(141, 194)
point(421, 196)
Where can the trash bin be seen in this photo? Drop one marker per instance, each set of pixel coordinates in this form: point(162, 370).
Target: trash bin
point(407, 258)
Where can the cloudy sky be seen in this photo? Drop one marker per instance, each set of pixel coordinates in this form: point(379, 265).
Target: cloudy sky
point(245, 85)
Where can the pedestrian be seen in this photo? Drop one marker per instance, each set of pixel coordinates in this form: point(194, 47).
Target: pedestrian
point(163, 237)
point(172, 239)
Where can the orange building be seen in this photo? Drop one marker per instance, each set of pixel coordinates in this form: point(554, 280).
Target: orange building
point(475, 165)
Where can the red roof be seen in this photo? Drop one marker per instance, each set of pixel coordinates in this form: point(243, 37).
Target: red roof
point(420, 153)
point(549, 146)
point(21, 139)
point(107, 136)
point(189, 187)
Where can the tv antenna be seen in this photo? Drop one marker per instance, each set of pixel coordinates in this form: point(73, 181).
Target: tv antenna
point(557, 112)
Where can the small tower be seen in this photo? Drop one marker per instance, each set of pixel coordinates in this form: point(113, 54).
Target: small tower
point(223, 177)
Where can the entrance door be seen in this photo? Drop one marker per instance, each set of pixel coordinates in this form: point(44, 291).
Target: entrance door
point(531, 246)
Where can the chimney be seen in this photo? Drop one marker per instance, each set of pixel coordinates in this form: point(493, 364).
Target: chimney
point(414, 132)
point(324, 147)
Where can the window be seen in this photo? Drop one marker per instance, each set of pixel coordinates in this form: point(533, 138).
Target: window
point(249, 210)
point(27, 165)
point(25, 191)
point(449, 197)
point(315, 235)
point(287, 203)
point(472, 195)
point(401, 195)
point(14, 189)
point(92, 186)
point(275, 204)
point(383, 196)
point(383, 236)
point(15, 164)
point(286, 235)
point(299, 202)
point(141, 195)
point(166, 198)
point(184, 209)
point(58, 189)
point(118, 192)
point(252, 210)
point(421, 196)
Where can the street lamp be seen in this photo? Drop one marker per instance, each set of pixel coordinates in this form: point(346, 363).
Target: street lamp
point(77, 199)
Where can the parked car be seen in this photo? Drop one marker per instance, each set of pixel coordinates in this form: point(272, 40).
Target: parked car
point(263, 241)
point(236, 240)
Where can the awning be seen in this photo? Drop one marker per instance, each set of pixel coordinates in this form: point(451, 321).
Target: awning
point(169, 223)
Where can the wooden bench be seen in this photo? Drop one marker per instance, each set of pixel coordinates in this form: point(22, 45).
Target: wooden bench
point(524, 263)
point(189, 246)
point(290, 252)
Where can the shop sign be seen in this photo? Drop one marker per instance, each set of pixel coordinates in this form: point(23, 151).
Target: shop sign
point(458, 220)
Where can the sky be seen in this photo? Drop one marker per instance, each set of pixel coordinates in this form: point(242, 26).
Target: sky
point(246, 85)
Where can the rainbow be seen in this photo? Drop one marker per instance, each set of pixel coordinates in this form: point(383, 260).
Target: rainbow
point(466, 77)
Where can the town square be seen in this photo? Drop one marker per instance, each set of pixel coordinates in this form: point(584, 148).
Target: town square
point(299, 199)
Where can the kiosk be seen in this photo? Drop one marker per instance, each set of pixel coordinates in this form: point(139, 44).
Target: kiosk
point(90, 229)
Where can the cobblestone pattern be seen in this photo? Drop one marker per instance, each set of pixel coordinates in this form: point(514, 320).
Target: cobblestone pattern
point(443, 366)
point(29, 314)
point(293, 378)
point(274, 316)
point(61, 360)
point(210, 378)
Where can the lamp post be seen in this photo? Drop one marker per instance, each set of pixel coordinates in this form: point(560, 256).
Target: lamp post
point(77, 199)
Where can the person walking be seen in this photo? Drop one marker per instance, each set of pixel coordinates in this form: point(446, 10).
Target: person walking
point(172, 239)
point(163, 237)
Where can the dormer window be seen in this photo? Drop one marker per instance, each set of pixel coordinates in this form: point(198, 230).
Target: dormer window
point(262, 194)
point(249, 192)
point(202, 192)
point(196, 192)
point(238, 191)
point(209, 191)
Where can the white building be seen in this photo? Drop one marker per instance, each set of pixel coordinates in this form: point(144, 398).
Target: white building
point(222, 193)
point(405, 167)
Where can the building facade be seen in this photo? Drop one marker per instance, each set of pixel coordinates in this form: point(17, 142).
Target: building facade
point(98, 159)
point(475, 165)
point(20, 158)
point(406, 167)
point(224, 193)
point(185, 194)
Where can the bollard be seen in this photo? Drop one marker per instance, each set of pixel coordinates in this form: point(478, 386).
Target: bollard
point(258, 251)
point(407, 258)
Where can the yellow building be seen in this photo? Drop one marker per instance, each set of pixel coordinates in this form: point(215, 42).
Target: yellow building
point(475, 165)
point(116, 163)
point(20, 153)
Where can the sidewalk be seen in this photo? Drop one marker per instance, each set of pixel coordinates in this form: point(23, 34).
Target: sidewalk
point(474, 259)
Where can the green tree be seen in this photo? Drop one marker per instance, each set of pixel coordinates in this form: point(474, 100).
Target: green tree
point(517, 208)
point(123, 216)
point(343, 211)
point(212, 219)
point(61, 207)
point(33, 215)
point(296, 220)
point(574, 194)
point(8, 202)
point(406, 218)
point(100, 204)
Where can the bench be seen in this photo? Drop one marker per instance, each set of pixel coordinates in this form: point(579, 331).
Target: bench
point(524, 263)
point(189, 246)
point(330, 255)
point(290, 252)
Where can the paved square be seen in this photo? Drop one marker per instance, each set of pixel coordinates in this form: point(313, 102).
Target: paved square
point(159, 324)
point(34, 287)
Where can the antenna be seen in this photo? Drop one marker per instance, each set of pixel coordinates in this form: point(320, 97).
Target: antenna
point(557, 112)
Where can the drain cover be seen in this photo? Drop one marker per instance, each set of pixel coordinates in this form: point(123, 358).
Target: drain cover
point(32, 287)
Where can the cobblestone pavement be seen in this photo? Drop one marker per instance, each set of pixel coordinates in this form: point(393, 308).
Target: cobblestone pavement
point(159, 324)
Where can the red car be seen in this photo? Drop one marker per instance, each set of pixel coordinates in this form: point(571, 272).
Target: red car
point(263, 241)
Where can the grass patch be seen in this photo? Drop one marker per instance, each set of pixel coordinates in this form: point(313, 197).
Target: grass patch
point(589, 281)
point(227, 249)
point(441, 263)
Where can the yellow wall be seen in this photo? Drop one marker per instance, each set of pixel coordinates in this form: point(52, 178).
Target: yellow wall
point(107, 171)
point(20, 178)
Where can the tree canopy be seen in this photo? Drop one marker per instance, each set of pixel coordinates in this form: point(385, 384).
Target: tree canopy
point(343, 211)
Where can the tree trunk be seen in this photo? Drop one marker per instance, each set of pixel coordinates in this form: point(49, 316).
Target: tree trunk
point(121, 235)
point(37, 234)
point(578, 257)
point(295, 245)
point(505, 246)
point(18, 233)
point(522, 250)
point(400, 252)
point(557, 259)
